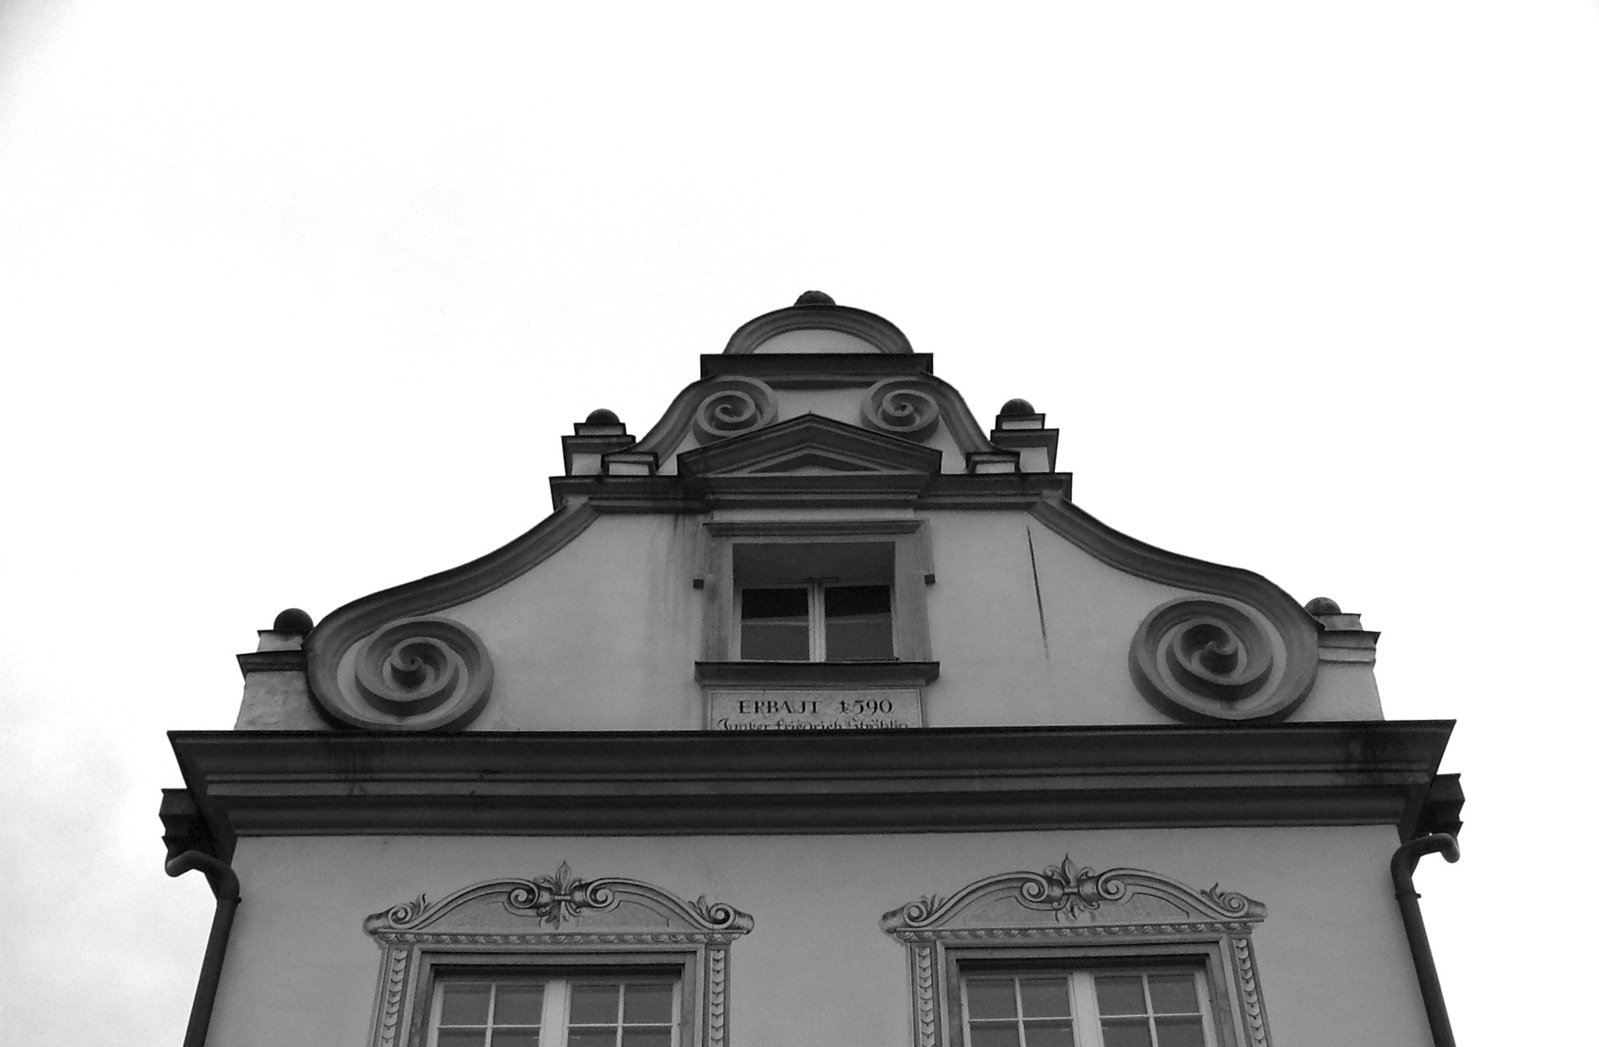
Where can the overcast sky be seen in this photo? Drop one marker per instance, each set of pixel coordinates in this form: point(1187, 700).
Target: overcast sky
point(297, 299)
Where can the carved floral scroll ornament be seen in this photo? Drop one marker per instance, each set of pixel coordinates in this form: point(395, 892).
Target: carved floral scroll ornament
point(547, 915)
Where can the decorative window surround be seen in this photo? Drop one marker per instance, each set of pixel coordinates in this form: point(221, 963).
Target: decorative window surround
point(812, 695)
point(554, 922)
point(1074, 918)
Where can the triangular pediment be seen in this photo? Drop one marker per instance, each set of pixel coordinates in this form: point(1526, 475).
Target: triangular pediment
point(810, 445)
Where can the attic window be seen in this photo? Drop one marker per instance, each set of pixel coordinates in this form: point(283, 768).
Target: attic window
point(819, 603)
point(826, 602)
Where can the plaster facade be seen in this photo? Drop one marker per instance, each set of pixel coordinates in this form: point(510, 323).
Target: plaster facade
point(1048, 696)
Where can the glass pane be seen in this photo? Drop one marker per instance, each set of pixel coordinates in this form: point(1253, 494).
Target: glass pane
point(647, 1038)
point(995, 1036)
point(1049, 1034)
point(990, 998)
point(465, 1003)
point(860, 625)
point(647, 1003)
point(518, 1004)
point(1173, 994)
point(1046, 998)
point(516, 1038)
point(1119, 994)
point(776, 625)
point(595, 1003)
point(1179, 1032)
point(591, 1037)
point(461, 1037)
point(1126, 1033)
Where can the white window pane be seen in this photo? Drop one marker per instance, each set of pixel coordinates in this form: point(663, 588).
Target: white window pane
point(648, 1004)
point(775, 625)
point(462, 1038)
point(860, 625)
point(995, 1036)
point(465, 1003)
point(1173, 994)
point(1126, 1032)
point(1120, 994)
point(518, 1004)
point(1179, 1032)
point(647, 1038)
point(516, 1038)
point(1046, 997)
point(991, 998)
point(591, 1038)
point(1049, 1034)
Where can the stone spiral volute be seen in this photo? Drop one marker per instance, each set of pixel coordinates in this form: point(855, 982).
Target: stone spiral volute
point(901, 407)
point(1203, 659)
point(732, 407)
point(422, 674)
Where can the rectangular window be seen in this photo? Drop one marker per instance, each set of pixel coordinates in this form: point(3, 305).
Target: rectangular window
point(816, 622)
point(517, 1010)
point(822, 602)
point(1112, 1007)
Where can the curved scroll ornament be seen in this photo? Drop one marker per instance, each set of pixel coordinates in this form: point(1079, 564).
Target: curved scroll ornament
point(733, 406)
point(1067, 906)
point(551, 914)
point(418, 674)
point(901, 407)
point(1199, 658)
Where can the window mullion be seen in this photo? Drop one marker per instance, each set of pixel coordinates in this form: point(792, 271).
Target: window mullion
point(552, 1032)
point(817, 600)
point(1085, 1011)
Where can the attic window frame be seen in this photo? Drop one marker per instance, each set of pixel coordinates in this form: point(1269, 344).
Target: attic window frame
point(911, 574)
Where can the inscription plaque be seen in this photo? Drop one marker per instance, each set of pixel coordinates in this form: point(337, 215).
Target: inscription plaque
point(813, 710)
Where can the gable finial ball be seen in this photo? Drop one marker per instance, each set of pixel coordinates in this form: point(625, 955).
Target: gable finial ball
point(815, 298)
point(1323, 605)
point(602, 416)
point(292, 620)
point(1016, 407)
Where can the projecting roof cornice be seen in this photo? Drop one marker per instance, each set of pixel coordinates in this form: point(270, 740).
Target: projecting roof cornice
point(950, 780)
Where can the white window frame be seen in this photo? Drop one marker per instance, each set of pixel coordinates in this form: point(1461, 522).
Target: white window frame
point(554, 1025)
point(1086, 1024)
point(912, 573)
point(815, 590)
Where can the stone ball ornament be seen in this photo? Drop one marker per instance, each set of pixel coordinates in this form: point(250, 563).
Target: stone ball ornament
point(1203, 659)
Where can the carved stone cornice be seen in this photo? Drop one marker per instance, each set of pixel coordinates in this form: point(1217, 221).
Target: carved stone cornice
point(929, 779)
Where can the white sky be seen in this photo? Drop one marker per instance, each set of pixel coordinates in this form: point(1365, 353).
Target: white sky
point(296, 300)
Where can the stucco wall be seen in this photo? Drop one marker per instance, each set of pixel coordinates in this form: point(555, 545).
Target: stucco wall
point(817, 969)
point(604, 634)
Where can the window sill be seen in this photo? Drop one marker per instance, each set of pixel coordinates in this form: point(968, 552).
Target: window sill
point(817, 674)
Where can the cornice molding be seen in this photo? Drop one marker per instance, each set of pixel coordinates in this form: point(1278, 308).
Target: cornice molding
point(928, 779)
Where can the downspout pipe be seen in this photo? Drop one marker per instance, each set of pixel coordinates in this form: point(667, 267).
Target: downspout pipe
point(1402, 867)
point(225, 886)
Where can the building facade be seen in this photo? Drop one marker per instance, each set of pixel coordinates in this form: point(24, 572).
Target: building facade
point(818, 714)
